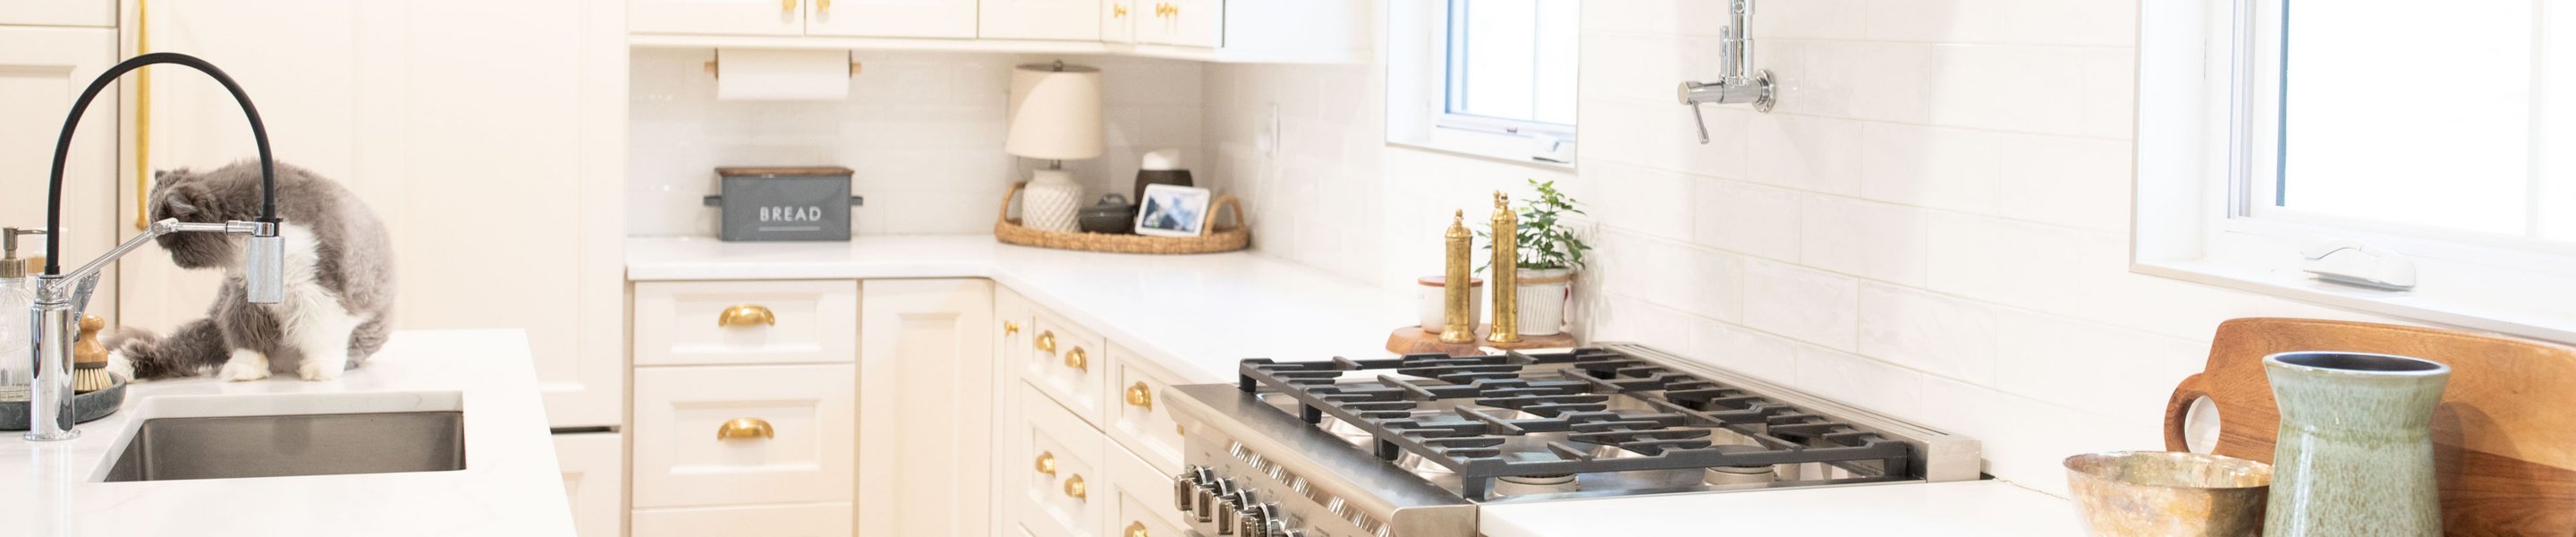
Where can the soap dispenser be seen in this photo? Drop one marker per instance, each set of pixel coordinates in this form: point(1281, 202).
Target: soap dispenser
point(17, 297)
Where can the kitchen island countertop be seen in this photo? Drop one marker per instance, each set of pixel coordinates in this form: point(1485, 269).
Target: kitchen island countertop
point(1199, 315)
point(510, 484)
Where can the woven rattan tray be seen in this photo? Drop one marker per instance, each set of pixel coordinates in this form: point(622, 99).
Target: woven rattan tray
point(1219, 237)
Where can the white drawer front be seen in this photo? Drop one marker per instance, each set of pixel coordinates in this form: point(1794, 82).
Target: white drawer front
point(1143, 506)
point(594, 468)
point(1069, 364)
point(1138, 419)
point(800, 520)
point(780, 322)
point(1060, 489)
point(680, 412)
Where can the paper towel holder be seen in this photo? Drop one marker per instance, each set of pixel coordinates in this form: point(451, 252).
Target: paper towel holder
point(711, 68)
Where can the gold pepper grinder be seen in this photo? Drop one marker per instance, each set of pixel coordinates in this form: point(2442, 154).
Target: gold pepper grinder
point(1458, 320)
point(1507, 277)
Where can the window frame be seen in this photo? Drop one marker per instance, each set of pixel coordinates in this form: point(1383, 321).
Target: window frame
point(2203, 211)
point(1420, 43)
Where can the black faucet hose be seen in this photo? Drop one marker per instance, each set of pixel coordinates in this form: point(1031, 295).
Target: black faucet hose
point(63, 147)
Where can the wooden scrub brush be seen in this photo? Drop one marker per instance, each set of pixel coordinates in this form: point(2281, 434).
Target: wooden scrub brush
point(89, 358)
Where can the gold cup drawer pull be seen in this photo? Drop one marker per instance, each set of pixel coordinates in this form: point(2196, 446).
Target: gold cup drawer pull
point(1077, 359)
point(746, 428)
point(746, 315)
point(1074, 488)
point(1141, 396)
point(1046, 341)
point(1046, 463)
point(1136, 529)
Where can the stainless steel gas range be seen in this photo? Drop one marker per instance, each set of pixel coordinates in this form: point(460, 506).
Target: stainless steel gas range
point(1409, 446)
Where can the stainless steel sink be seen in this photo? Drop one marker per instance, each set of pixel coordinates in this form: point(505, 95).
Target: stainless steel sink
point(214, 447)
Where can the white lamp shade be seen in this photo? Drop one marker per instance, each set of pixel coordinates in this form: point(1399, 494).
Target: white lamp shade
point(1055, 112)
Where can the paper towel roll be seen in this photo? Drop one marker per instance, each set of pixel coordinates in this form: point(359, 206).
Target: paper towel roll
point(782, 75)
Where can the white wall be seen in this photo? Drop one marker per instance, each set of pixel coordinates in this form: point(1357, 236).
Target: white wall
point(1933, 223)
point(923, 131)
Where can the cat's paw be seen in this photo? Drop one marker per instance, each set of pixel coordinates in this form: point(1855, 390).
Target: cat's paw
point(244, 365)
point(119, 365)
point(315, 370)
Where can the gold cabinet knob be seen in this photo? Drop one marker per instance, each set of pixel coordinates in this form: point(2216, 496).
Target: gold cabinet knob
point(1046, 463)
point(1046, 341)
point(1140, 396)
point(746, 315)
point(822, 6)
point(1119, 11)
point(1136, 529)
point(1077, 359)
point(787, 6)
point(745, 428)
point(1010, 327)
point(1073, 487)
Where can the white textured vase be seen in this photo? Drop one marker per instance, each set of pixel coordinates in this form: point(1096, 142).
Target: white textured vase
point(1542, 300)
point(1051, 202)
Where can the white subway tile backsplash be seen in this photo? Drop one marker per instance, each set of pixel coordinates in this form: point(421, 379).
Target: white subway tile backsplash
point(1661, 136)
point(2077, 182)
point(1928, 332)
point(1816, 154)
point(1737, 349)
point(1645, 201)
point(1816, 307)
point(2091, 367)
point(1858, 381)
point(922, 133)
point(1880, 241)
point(1955, 169)
point(1751, 219)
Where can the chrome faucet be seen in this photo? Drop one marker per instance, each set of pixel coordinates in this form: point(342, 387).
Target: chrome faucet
point(60, 297)
point(1740, 82)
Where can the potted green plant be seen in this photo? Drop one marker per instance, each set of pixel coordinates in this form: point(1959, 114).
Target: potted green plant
point(1549, 254)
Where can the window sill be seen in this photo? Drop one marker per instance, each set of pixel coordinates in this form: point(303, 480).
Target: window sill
point(2523, 320)
point(1482, 146)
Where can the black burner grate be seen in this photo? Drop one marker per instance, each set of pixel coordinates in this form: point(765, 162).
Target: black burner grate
point(1662, 419)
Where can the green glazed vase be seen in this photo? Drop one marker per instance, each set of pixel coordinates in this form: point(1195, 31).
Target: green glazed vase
point(2355, 451)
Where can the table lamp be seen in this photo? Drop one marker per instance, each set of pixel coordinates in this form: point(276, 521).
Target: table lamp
point(1054, 116)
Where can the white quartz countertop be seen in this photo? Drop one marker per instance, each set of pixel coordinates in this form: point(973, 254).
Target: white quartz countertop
point(1198, 315)
point(510, 484)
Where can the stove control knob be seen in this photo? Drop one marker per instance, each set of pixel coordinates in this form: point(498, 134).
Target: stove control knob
point(1184, 487)
point(1247, 525)
point(1207, 508)
point(1279, 528)
point(1227, 518)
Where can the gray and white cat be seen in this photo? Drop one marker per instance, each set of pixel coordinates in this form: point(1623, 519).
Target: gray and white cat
point(339, 281)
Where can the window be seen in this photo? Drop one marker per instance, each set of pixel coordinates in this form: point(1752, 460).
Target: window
point(1492, 78)
point(2442, 131)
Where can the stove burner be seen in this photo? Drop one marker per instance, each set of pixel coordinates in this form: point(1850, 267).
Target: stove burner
point(1524, 485)
point(1537, 419)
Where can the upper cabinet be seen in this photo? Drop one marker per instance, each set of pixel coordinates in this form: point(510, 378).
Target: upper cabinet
point(944, 19)
point(951, 19)
point(90, 13)
point(1064, 20)
point(1271, 31)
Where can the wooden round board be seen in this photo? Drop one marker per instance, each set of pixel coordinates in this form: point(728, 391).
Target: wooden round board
point(2504, 450)
point(1413, 340)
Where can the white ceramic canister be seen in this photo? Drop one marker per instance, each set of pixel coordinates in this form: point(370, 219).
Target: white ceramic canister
point(1432, 290)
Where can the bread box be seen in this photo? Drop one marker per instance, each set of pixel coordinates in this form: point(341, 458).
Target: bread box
point(783, 204)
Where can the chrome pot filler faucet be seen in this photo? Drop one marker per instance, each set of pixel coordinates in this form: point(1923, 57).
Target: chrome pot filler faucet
point(60, 297)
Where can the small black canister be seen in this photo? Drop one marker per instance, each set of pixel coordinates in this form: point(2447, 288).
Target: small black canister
point(1114, 215)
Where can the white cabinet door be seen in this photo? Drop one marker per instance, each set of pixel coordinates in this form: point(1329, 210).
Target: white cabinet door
point(1189, 23)
point(753, 322)
point(41, 71)
point(925, 407)
point(92, 13)
point(892, 18)
point(1057, 465)
point(1070, 20)
point(830, 519)
point(594, 475)
point(1138, 419)
point(1118, 19)
point(795, 445)
point(717, 17)
point(1011, 332)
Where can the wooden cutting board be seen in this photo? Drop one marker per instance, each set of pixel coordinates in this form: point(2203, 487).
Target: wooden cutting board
point(2504, 437)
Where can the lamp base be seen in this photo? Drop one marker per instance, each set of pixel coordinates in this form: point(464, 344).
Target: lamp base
point(1052, 202)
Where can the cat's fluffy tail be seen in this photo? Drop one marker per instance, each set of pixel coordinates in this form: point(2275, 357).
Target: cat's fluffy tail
point(196, 349)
